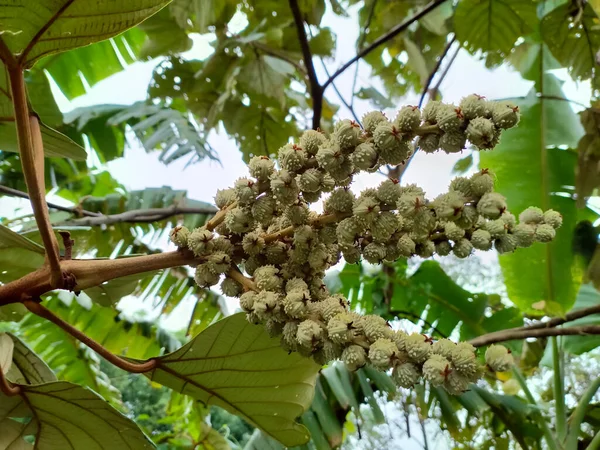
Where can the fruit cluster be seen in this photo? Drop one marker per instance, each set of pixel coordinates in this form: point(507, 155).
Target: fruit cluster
point(266, 229)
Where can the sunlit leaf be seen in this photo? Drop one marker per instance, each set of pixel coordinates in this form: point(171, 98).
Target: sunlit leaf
point(66, 416)
point(9, 238)
point(493, 26)
point(550, 270)
point(34, 30)
point(27, 367)
point(237, 366)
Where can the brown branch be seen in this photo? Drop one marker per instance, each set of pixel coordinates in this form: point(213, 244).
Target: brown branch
point(235, 274)
point(382, 40)
point(219, 217)
point(316, 91)
point(6, 387)
point(41, 311)
point(31, 150)
point(91, 272)
point(512, 335)
point(70, 209)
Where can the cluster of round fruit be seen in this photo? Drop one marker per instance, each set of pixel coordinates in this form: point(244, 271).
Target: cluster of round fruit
point(266, 229)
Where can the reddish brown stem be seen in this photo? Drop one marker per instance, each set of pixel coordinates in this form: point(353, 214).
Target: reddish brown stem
point(6, 387)
point(40, 310)
point(31, 150)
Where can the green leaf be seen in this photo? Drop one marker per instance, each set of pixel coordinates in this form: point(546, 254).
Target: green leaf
point(463, 165)
point(165, 37)
point(6, 352)
point(378, 99)
point(433, 296)
point(203, 13)
point(12, 313)
point(367, 390)
point(40, 95)
point(27, 367)
point(110, 292)
point(326, 416)
point(416, 60)
point(266, 77)
point(237, 366)
point(66, 416)
point(76, 69)
point(576, 345)
point(493, 26)
point(257, 129)
point(323, 43)
point(9, 238)
point(34, 30)
point(573, 38)
point(551, 271)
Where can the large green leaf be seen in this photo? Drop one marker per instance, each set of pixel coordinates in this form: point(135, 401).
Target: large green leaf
point(237, 366)
point(74, 362)
point(573, 38)
point(61, 415)
point(27, 367)
point(42, 101)
point(493, 26)
point(544, 271)
point(429, 295)
point(9, 238)
point(76, 69)
point(32, 30)
point(165, 37)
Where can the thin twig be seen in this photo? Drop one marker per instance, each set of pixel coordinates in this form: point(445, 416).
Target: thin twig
point(316, 91)
point(340, 96)
point(435, 71)
point(138, 216)
point(512, 335)
point(361, 42)
point(435, 89)
point(70, 209)
point(382, 40)
point(40, 310)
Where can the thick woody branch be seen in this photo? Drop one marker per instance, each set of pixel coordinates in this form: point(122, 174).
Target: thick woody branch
point(117, 361)
point(89, 273)
point(512, 335)
point(31, 150)
point(395, 31)
point(316, 91)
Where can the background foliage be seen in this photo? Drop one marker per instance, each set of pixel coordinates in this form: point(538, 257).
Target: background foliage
point(255, 88)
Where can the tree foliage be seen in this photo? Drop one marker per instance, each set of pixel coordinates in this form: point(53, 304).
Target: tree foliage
point(262, 85)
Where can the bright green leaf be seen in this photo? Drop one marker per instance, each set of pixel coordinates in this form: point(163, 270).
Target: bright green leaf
point(9, 238)
point(6, 352)
point(573, 38)
point(380, 100)
point(237, 366)
point(463, 164)
point(165, 37)
point(550, 269)
point(109, 293)
point(27, 367)
point(493, 26)
point(33, 30)
point(65, 416)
